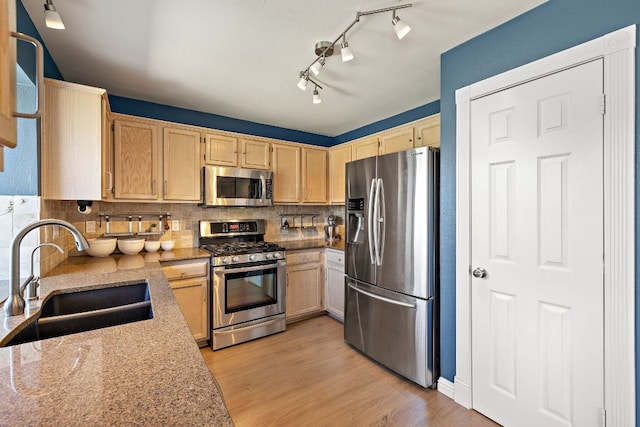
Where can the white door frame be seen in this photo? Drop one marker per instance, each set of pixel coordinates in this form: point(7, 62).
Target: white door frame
point(618, 51)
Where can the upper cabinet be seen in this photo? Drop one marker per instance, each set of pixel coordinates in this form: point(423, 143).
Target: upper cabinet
point(74, 134)
point(8, 137)
point(427, 133)
point(397, 140)
point(314, 175)
point(220, 150)
point(136, 150)
point(254, 154)
point(338, 158)
point(181, 165)
point(363, 148)
point(286, 173)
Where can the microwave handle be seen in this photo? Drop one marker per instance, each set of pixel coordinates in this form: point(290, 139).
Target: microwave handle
point(263, 188)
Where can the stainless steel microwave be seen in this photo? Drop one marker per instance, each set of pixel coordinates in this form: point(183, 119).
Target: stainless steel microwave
point(237, 187)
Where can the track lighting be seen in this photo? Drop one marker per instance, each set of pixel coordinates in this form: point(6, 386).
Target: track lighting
point(324, 49)
point(345, 50)
point(52, 17)
point(316, 96)
point(400, 27)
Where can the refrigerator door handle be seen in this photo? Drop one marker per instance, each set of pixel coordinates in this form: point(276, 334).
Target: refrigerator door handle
point(381, 226)
point(381, 298)
point(371, 230)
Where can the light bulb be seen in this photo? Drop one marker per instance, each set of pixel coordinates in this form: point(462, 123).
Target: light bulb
point(316, 97)
point(317, 66)
point(302, 83)
point(347, 55)
point(400, 27)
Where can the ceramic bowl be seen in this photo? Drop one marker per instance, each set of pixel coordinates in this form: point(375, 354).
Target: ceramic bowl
point(167, 245)
point(130, 246)
point(151, 245)
point(101, 247)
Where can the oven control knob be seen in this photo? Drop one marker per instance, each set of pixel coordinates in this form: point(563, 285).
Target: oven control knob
point(235, 259)
point(252, 257)
point(225, 260)
point(268, 256)
point(277, 255)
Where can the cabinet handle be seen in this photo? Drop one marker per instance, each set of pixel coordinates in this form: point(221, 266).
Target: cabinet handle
point(39, 75)
point(153, 187)
point(110, 187)
point(164, 188)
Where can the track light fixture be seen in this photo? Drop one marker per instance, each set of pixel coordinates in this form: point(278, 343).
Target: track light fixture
point(52, 17)
point(324, 49)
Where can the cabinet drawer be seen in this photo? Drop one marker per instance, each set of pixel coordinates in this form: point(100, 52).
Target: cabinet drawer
point(303, 257)
point(334, 257)
point(176, 270)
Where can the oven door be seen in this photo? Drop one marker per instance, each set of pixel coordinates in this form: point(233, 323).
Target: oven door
point(248, 292)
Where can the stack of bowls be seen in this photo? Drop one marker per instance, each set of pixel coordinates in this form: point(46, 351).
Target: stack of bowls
point(151, 245)
point(101, 247)
point(167, 245)
point(130, 246)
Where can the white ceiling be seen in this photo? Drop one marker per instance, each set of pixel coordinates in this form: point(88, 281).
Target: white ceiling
point(241, 58)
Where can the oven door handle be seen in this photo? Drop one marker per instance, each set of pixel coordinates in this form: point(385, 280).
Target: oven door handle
point(223, 270)
point(248, 328)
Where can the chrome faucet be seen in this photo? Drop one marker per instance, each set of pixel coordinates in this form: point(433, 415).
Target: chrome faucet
point(15, 303)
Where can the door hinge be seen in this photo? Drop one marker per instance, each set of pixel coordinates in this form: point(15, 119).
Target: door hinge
point(603, 417)
point(603, 104)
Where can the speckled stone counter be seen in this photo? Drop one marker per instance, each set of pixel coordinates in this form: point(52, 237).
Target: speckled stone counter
point(143, 373)
point(297, 245)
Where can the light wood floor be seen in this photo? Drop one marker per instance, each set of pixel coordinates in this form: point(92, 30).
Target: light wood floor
point(308, 376)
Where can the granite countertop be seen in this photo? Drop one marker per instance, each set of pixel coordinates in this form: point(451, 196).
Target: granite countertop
point(296, 245)
point(149, 372)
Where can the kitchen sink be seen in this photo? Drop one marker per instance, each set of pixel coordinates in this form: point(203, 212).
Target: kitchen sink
point(70, 313)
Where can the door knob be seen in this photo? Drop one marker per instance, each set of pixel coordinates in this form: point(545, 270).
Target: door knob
point(479, 273)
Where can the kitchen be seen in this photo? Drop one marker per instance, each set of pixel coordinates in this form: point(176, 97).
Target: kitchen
point(456, 72)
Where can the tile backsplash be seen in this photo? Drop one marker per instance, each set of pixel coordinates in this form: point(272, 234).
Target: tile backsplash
point(187, 215)
point(15, 213)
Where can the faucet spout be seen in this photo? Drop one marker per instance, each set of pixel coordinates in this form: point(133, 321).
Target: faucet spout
point(15, 303)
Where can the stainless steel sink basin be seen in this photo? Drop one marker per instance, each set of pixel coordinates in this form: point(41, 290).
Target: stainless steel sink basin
point(81, 311)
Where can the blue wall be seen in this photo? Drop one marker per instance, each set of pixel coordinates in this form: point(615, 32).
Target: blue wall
point(550, 28)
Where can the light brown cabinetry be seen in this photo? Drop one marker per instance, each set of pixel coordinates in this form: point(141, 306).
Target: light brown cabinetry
point(314, 175)
point(8, 135)
point(181, 165)
point(427, 133)
point(364, 148)
point(220, 150)
point(338, 158)
point(254, 154)
point(304, 284)
point(286, 173)
point(334, 283)
point(74, 127)
point(189, 280)
point(136, 160)
point(399, 139)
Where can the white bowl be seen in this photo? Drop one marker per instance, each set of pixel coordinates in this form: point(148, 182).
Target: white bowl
point(151, 245)
point(167, 245)
point(101, 247)
point(130, 246)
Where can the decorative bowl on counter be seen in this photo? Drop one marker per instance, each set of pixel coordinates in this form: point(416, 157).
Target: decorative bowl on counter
point(130, 246)
point(167, 245)
point(151, 245)
point(101, 247)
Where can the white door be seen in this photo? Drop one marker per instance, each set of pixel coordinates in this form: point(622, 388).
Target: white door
point(537, 230)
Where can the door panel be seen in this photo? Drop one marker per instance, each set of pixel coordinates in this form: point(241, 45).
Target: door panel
point(537, 229)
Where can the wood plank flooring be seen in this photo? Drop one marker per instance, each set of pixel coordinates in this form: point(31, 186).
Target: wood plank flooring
point(308, 376)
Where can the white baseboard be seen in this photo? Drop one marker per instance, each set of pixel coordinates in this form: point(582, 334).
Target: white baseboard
point(462, 393)
point(446, 387)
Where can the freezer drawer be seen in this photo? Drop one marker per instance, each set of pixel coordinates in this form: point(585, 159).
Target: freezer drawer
point(391, 328)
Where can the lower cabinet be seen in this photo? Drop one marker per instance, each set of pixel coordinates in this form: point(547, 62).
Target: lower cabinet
point(334, 283)
point(189, 280)
point(304, 284)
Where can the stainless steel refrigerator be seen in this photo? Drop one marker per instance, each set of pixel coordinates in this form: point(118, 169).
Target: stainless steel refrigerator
point(391, 261)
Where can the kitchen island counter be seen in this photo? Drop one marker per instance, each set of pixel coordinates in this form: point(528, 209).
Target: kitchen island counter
point(297, 245)
point(149, 372)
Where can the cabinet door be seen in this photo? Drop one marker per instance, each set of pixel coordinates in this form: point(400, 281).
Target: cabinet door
point(365, 148)
point(181, 171)
point(428, 132)
point(193, 300)
point(399, 140)
point(314, 175)
point(221, 150)
point(334, 291)
point(304, 289)
point(338, 158)
point(255, 154)
point(136, 151)
point(107, 153)
point(286, 173)
point(72, 130)
point(8, 137)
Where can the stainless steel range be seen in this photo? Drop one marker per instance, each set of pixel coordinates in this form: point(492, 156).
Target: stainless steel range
point(248, 281)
